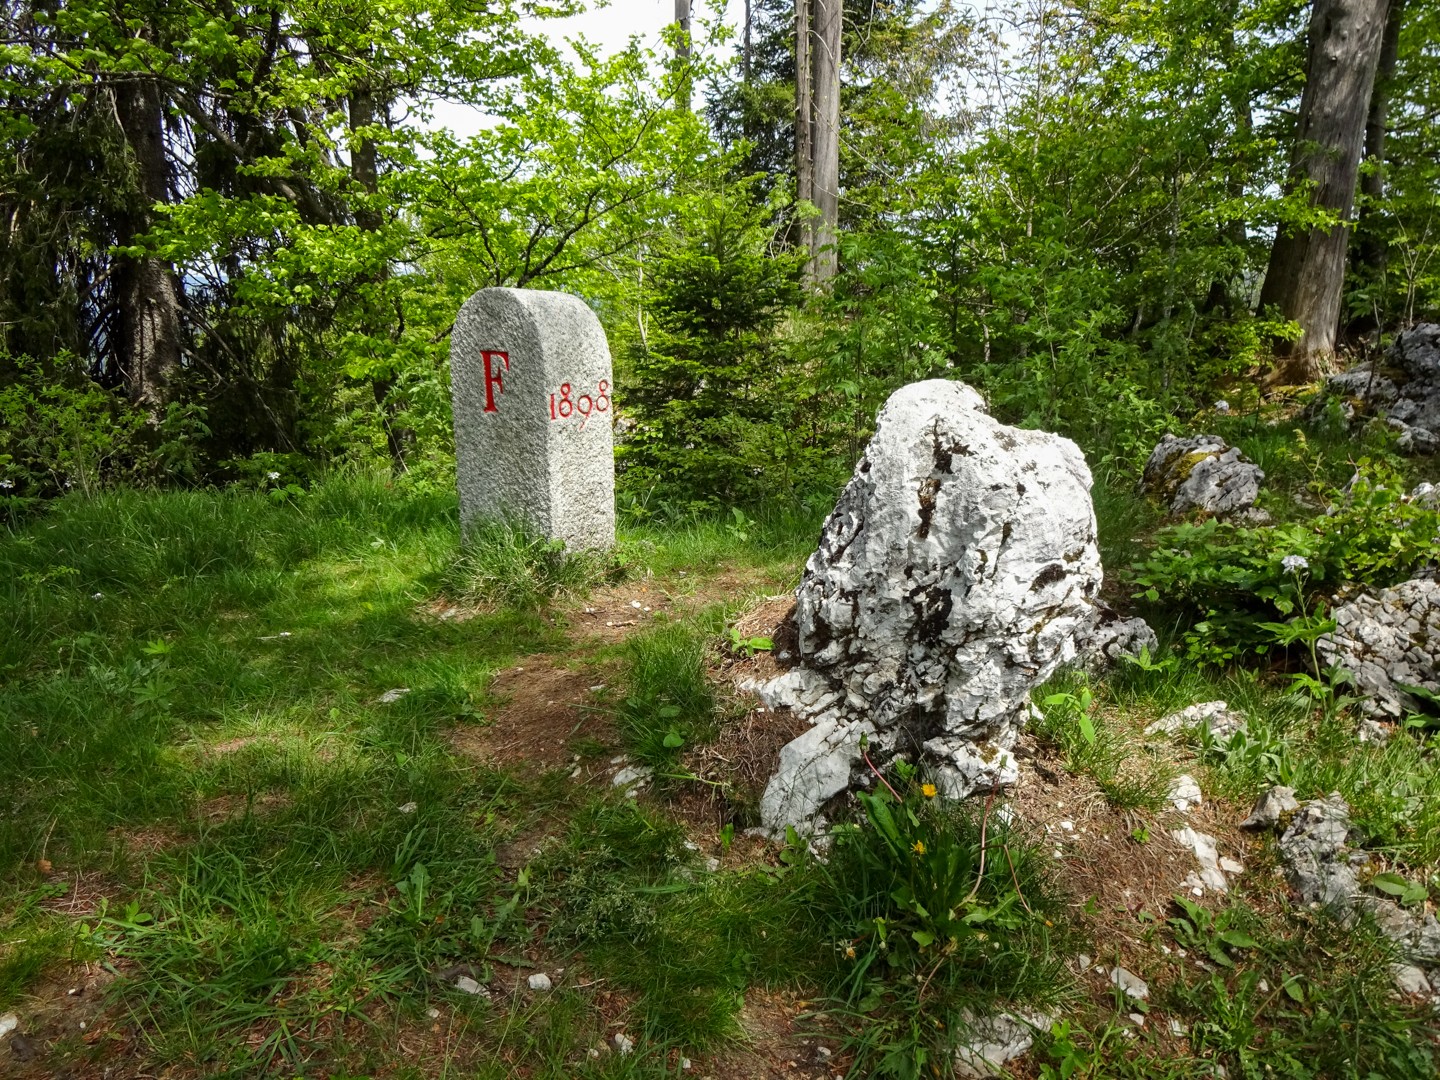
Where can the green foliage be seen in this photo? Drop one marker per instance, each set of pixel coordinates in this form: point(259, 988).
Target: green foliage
point(669, 702)
point(1212, 933)
point(1098, 747)
point(935, 911)
point(705, 379)
point(1233, 582)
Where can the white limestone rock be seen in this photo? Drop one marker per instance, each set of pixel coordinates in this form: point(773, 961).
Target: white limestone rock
point(1387, 638)
point(952, 577)
point(993, 1041)
point(1270, 807)
point(1313, 849)
point(1109, 637)
point(1204, 473)
point(533, 398)
point(1216, 718)
point(1404, 388)
point(1184, 793)
point(1130, 984)
point(1207, 854)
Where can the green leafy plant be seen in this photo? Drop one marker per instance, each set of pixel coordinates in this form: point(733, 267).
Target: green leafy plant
point(1212, 933)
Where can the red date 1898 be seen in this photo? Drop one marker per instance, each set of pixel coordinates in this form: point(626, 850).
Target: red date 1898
point(563, 406)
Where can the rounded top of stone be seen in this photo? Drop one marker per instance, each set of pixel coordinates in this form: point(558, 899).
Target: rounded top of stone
point(535, 302)
point(936, 393)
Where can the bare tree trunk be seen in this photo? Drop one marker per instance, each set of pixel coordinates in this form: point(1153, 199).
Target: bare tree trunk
point(365, 172)
point(804, 125)
point(829, 16)
point(747, 48)
point(1306, 274)
point(146, 290)
point(682, 51)
point(1374, 252)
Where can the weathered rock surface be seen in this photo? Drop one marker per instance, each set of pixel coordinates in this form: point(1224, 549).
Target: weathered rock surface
point(1314, 850)
point(1184, 793)
point(1405, 386)
point(951, 579)
point(1130, 984)
point(1388, 639)
point(1325, 870)
point(1270, 807)
point(1207, 854)
point(1216, 718)
point(1202, 472)
point(995, 1040)
point(1108, 637)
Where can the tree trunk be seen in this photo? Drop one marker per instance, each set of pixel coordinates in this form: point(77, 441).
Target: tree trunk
point(804, 125)
point(1374, 252)
point(682, 52)
point(826, 140)
point(147, 293)
point(365, 172)
point(1306, 274)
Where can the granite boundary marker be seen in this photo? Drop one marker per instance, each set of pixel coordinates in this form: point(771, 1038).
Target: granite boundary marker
point(532, 389)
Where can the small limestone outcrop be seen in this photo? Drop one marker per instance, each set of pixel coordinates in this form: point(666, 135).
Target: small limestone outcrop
point(1204, 473)
point(1387, 640)
point(1108, 637)
point(952, 577)
point(1405, 386)
point(1326, 868)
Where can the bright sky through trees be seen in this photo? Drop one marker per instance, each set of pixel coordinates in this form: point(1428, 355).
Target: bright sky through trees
point(610, 28)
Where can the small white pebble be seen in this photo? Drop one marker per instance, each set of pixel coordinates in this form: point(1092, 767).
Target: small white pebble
point(433, 1013)
point(623, 1042)
point(409, 808)
point(635, 604)
point(1068, 826)
point(539, 982)
point(1138, 1019)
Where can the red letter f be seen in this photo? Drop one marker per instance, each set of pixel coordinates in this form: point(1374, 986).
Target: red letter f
point(492, 377)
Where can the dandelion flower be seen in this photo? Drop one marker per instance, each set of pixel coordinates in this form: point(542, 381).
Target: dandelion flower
point(918, 847)
point(1293, 564)
point(928, 790)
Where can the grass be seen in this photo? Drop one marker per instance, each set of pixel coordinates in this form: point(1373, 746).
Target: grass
point(286, 870)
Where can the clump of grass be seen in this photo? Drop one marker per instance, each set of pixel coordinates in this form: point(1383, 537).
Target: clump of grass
point(669, 701)
point(1315, 1001)
point(930, 914)
point(503, 563)
point(1099, 746)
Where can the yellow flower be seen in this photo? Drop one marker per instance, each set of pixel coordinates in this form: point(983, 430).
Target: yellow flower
point(918, 847)
point(850, 952)
point(928, 790)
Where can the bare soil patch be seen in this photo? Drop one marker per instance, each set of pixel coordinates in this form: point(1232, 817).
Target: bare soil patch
point(546, 707)
point(777, 1042)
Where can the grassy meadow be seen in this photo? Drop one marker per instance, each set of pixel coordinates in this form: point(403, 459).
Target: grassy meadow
point(228, 847)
